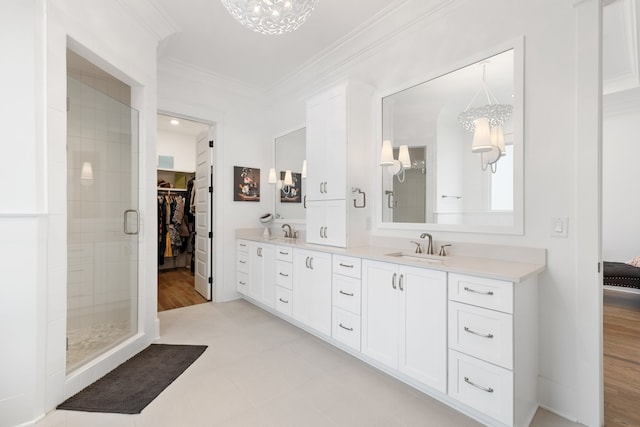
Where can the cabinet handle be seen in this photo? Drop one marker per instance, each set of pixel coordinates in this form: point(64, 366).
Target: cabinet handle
point(311, 263)
point(243, 245)
point(324, 232)
point(345, 293)
point(487, 389)
point(243, 262)
point(259, 251)
point(325, 187)
point(242, 283)
point(281, 300)
point(283, 275)
point(344, 327)
point(284, 253)
point(468, 289)
point(321, 232)
point(393, 281)
point(400, 282)
point(346, 265)
point(321, 188)
point(306, 263)
point(471, 331)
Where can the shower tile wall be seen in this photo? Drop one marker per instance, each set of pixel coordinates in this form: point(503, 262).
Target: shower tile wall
point(99, 293)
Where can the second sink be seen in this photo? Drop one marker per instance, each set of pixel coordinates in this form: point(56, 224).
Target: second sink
point(430, 259)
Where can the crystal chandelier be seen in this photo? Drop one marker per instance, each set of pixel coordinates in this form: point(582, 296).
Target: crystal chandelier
point(270, 16)
point(486, 123)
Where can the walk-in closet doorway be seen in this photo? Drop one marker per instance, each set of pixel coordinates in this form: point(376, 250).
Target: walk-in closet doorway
point(185, 211)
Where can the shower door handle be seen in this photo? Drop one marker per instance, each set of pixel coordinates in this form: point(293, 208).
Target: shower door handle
point(126, 216)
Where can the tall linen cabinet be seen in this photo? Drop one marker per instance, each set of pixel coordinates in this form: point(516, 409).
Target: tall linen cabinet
point(339, 140)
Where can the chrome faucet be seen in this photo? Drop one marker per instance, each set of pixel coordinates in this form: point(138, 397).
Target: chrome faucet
point(429, 243)
point(288, 233)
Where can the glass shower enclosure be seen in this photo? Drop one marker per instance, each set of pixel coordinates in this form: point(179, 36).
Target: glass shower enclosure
point(102, 223)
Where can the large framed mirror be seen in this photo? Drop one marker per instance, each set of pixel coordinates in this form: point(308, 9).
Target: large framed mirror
point(290, 155)
point(451, 148)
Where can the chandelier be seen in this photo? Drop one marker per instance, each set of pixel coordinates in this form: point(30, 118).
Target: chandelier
point(270, 16)
point(486, 123)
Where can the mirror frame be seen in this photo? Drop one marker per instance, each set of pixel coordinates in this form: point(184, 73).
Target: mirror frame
point(518, 132)
point(276, 192)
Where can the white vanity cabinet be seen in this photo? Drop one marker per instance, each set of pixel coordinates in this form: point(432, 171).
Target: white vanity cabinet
point(284, 280)
point(242, 266)
point(404, 320)
point(493, 346)
point(338, 129)
point(262, 272)
point(346, 291)
point(312, 289)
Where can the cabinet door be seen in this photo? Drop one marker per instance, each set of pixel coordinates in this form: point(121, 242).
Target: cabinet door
point(320, 302)
point(312, 289)
point(335, 223)
point(268, 275)
point(255, 271)
point(316, 147)
point(380, 311)
point(315, 222)
point(423, 326)
point(335, 170)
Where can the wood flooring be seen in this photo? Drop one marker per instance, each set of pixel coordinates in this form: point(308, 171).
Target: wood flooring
point(176, 289)
point(621, 336)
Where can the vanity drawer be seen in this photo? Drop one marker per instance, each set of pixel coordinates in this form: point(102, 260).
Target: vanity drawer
point(488, 293)
point(482, 386)
point(242, 246)
point(346, 293)
point(243, 262)
point(284, 300)
point(481, 333)
point(284, 274)
point(284, 253)
point(242, 284)
point(347, 266)
point(346, 328)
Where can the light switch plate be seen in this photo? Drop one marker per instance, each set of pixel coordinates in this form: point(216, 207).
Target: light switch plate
point(559, 226)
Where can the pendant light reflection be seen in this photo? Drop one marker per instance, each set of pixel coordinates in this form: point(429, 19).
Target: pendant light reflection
point(86, 174)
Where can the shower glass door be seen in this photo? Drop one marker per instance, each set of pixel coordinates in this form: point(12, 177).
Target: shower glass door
point(102, 223)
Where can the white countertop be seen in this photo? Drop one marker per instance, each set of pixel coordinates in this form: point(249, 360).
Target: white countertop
point(512, 271)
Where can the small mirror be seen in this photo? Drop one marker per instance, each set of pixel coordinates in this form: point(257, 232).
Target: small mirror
point(451, 150)
point(291, 186)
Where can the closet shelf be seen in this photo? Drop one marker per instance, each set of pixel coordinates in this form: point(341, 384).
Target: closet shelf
point(171, 189)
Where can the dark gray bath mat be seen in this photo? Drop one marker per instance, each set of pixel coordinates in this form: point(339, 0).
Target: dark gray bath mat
point(130, 387)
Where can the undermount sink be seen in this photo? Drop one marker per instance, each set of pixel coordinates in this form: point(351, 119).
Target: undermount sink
point(430, 259)
point(282, 239)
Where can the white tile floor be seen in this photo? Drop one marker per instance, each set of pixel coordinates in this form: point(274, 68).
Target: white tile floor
point(261, 371)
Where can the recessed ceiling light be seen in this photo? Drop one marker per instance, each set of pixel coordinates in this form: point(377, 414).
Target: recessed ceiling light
point(174, 122)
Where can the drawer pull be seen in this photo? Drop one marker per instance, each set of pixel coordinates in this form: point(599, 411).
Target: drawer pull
point(243, 245)
point(471, 331)
point(284, 253)
point(344, 327)
point(281, 300)
point(346, 265)
point(242, 283)
point(345, 293)
point(284, 275)
point(468, 289)
point(243, 262)
point(487, 389)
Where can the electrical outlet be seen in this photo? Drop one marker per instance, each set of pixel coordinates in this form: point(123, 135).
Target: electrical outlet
point(559, 226)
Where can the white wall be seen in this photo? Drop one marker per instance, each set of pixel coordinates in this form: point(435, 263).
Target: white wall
point(460, 30)
point(620, 180)
point(181, 147)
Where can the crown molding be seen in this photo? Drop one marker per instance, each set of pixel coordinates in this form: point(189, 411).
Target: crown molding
point(382, 29)
point(151, 17)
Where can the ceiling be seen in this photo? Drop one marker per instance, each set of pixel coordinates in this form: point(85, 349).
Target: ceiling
point(211, 40)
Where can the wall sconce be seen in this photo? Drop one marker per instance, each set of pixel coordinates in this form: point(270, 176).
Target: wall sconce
point(272, 176)
point(395, 167)
point(86, 174)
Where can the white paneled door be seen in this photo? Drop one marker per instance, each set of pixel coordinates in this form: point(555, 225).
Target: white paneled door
point(204, 210)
